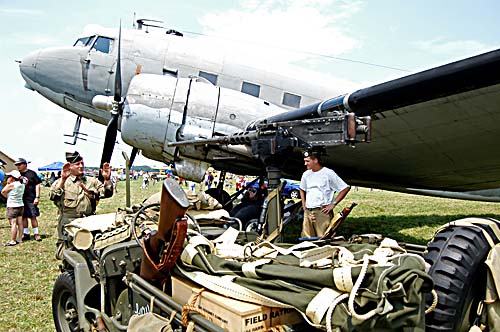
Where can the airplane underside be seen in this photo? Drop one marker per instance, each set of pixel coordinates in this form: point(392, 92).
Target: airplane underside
point(454, 152)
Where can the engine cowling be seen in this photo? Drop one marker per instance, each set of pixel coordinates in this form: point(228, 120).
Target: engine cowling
point(191, 169)
point(163, 109)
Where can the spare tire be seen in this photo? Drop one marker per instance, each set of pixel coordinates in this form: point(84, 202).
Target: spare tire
point(457, 256)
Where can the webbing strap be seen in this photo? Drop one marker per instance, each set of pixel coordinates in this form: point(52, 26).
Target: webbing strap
point(188, 254)
point(228, 237)
point(314, 256)
point(248, 268)
point(318, 306)
point(224, 285)
point(201, 240)
point(342, 276)
point(265, 248)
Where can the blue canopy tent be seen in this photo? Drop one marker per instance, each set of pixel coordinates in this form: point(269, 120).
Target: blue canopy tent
point(55, 166)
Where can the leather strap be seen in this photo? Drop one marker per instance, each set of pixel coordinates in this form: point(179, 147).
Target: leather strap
point(162, 248)
point(175, 245)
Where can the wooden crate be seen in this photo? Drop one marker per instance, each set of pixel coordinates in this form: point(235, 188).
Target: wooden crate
point(231, 314)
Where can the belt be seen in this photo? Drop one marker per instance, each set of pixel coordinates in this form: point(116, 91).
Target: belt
point(314, 209)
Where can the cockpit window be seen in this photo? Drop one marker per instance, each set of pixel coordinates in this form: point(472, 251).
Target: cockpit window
point(84, 41)
point(103, 44)
point(81, 42)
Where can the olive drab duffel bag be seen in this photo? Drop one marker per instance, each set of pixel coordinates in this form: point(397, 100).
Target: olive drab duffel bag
point(352, 287)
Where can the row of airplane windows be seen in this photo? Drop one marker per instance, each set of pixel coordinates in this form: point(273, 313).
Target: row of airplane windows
point(289, 99)
point(104, 44)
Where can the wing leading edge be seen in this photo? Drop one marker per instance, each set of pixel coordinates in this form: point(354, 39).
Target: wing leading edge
point(433, 131)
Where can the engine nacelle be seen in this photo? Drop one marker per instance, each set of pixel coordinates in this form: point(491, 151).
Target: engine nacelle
point(162, 109)
point(191, 169)
point(104, 103)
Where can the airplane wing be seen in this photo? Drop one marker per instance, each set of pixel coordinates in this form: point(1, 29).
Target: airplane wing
point(434, 132)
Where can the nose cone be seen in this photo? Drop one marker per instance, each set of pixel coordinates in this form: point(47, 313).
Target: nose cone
point(27, 67)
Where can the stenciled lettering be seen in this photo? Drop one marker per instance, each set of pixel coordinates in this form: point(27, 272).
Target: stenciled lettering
point(141, 310)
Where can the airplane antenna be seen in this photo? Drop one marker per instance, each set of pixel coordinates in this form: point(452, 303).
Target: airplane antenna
point(143, 22)
point(133, 21)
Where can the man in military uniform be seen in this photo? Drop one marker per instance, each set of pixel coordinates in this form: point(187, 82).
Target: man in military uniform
point(75, 195)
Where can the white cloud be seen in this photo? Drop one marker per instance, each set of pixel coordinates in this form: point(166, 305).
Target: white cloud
point(285, 30)
point(32, 40)
point(440, 46)
point(19, 11)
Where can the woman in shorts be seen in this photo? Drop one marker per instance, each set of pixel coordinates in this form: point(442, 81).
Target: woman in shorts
point(14, 191)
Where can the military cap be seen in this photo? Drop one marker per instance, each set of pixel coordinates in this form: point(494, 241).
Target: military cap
point(73, 157)
point(20, 161)
point(311, 153)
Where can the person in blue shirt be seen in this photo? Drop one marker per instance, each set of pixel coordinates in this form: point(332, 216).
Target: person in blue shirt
point(2, 177)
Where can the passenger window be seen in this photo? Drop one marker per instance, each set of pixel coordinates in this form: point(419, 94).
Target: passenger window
point(212, 78)
point(250, 89)
point(103, 44)
point(289, 99)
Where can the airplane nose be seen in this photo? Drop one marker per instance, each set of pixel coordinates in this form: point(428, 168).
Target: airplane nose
point(27, 67)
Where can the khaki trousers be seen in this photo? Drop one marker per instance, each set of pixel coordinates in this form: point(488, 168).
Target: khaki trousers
point(315, 222)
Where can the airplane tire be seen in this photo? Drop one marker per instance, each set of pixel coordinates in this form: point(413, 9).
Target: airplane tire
point(456, 255)
point(64, 305)
point(252, 226)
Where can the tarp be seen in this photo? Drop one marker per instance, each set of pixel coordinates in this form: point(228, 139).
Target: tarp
point(55, 166)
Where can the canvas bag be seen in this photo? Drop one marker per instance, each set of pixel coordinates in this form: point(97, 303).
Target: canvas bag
point(392, 289)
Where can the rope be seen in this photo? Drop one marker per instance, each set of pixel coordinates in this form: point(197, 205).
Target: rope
point(354, 290)
point(434, 302)
point(191, 307)
point(329, 313)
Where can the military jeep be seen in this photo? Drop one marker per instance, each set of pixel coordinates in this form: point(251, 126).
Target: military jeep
point(119, 277)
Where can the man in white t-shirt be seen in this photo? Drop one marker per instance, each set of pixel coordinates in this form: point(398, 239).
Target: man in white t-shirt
point(317, 192)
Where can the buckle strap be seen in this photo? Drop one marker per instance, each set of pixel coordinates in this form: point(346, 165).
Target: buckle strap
point(316, 309)
point(248, 269)
point(175, 245)
point(342, 277)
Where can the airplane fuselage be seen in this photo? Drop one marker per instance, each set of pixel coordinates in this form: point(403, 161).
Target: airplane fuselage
point(71, 76)
point(439, 143)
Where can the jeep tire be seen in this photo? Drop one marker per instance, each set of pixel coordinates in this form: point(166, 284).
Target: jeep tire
point(457, 256)
point(64, 305)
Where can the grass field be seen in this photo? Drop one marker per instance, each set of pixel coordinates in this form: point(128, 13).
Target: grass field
point(28, 270)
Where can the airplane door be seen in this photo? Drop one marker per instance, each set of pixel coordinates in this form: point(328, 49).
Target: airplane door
point(100, 63)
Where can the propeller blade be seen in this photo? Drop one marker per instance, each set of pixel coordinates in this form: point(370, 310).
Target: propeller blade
point(118, 76)
point(132, 156)
point(110, 139)
point(112, 129)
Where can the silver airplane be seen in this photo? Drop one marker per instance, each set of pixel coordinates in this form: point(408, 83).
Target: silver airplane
point(433, 131)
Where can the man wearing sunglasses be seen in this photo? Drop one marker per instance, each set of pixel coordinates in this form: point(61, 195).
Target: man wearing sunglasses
point(249, 208)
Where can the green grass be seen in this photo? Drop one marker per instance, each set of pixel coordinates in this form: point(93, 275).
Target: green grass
point(27, 271)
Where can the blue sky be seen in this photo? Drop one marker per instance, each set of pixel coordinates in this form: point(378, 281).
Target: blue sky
point(407, 36)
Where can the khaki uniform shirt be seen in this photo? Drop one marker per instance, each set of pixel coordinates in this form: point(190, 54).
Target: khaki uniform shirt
point(74, 202)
